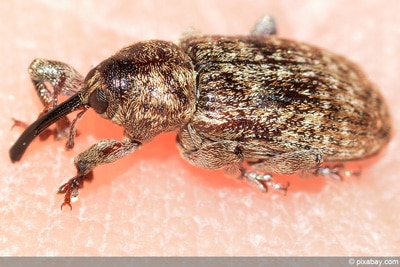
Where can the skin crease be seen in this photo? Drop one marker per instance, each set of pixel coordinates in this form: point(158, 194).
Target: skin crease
point(153, 202)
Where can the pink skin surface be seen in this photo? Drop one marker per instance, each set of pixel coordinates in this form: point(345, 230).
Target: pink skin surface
point(153, 202)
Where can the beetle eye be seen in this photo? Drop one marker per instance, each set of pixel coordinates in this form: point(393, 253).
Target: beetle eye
point(98, 101)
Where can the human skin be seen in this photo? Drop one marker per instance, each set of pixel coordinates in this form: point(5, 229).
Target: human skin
point(153, 202)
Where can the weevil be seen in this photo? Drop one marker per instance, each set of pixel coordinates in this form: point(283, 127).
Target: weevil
point(254, 105)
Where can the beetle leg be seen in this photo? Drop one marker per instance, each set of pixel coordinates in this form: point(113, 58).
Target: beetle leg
point(70, 188)
point(265, 26)
point(286, 163)
point(214, 155)
point(72, 133)
point(337, 172)
point(290, 162)
point(264, 181)
point(105, 151)
point(226, 155)
point(50, 79)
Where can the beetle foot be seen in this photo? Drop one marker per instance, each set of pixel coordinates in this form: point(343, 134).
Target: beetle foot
point(18, 123)
point(71, 188)
point(264, 181)
point(337, 172)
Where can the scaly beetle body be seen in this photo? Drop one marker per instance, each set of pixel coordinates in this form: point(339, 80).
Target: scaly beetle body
point(278, 105)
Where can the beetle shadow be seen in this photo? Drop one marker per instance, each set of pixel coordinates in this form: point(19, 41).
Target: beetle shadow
point(299, 182)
